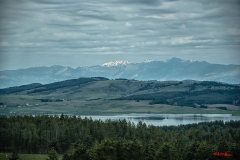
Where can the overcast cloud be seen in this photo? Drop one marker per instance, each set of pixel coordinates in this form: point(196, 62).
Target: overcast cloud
point(84, 33)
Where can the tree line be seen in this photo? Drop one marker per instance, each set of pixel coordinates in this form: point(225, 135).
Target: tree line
point(83, 138)
point(186, 98)
point(37, 87)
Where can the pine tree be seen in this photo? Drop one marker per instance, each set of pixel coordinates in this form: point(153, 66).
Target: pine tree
point(166, 152)
point(81, 153)
point(52, 154)
point(222, 146)
point(149, 152)
point(203, 152)
point(104, 150)
point(235, 150)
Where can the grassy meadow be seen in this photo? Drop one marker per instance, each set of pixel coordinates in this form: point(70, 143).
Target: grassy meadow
point(27, 156)
point(122, 96)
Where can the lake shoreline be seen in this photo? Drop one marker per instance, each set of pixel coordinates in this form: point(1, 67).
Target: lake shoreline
point(156, 119)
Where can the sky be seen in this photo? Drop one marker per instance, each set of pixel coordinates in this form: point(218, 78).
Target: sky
point(79, 33)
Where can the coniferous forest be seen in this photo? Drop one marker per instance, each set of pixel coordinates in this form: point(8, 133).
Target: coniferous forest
point(82, 138)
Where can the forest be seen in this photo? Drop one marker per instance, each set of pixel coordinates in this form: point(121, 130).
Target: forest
point(188, 98)
point(87, 139)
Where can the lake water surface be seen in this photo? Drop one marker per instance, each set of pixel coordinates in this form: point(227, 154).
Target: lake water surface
point(167, 119)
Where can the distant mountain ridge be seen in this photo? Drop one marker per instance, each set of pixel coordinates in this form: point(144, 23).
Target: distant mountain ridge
point(173, 69)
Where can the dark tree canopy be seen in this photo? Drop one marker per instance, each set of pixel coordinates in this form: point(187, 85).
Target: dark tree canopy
point(78, 138)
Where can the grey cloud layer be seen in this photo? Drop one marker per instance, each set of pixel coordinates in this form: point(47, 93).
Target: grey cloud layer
point(121, 27)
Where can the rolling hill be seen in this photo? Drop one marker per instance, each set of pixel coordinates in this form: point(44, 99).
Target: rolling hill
point(98, 95)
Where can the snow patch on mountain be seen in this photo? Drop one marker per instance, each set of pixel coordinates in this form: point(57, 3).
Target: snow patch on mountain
point(115, 63)
point(64, 72)
point(147, 60)
point(135, 76)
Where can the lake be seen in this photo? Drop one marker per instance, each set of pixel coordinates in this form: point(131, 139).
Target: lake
point(166, 119)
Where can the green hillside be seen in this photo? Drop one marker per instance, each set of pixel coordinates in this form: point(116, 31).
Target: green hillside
point(100, 95)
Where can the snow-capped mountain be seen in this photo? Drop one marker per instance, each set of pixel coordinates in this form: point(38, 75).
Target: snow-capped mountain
point(115, 63)
point(172, 69)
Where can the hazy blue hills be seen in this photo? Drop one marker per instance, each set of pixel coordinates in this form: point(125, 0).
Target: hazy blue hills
point(173, 69)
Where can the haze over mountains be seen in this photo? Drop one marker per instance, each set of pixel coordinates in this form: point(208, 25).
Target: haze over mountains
point(173, 69)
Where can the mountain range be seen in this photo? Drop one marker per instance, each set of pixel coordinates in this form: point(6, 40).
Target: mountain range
point(173, 69)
